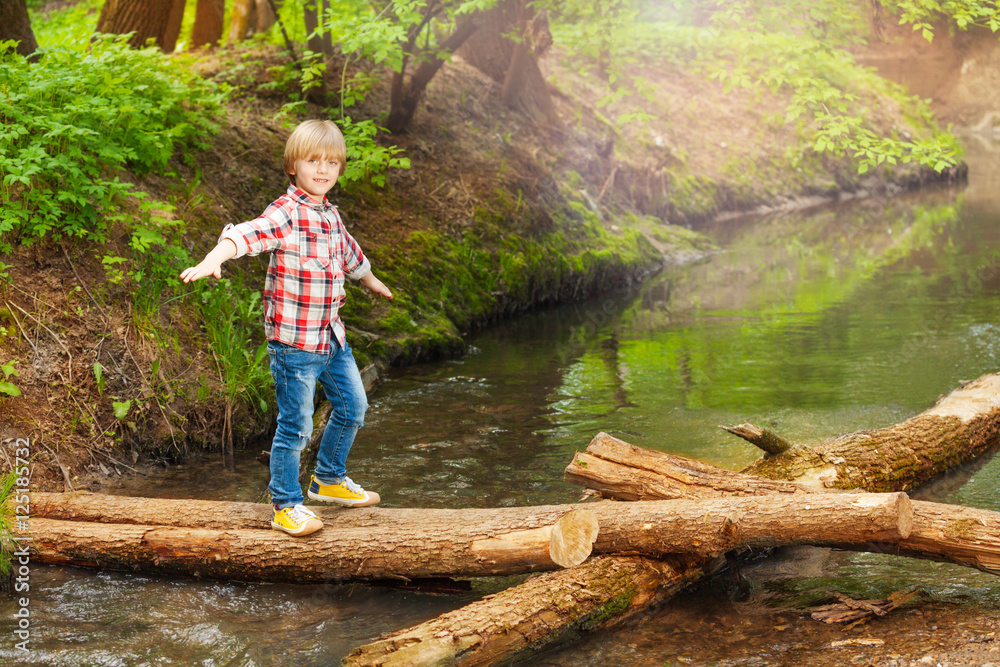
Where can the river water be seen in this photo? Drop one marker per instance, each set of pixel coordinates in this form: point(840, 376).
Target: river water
point(812, 323)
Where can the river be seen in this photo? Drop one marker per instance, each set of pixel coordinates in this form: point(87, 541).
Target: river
point(812, 323)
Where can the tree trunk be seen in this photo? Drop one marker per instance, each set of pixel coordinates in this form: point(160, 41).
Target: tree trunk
point(525, 89)
point(208, 20)
point(16, 24)
point(405, 94)
point(173, 28)
point(234, 540)
point(315, 10)
point(157, 20)
point(240, 20)
point(513, 623)
point(510, 63)
point(266, 16)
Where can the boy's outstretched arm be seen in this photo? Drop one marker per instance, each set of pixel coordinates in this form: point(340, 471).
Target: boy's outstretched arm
point(211, 265)
point(375, 285)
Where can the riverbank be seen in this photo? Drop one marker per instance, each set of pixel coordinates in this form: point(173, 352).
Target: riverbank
point(495, 217)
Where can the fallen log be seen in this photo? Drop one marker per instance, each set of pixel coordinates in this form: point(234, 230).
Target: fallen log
point(962, 426)
point(941, 532)
point(618, 470)
point(517, 621)
point(234, 540)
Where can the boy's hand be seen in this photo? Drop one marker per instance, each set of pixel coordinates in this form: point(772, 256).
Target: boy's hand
point(202, 270)
point(375, 286)
point(212, 264)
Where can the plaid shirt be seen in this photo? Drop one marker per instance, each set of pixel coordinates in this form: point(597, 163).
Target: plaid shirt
point(311, 253)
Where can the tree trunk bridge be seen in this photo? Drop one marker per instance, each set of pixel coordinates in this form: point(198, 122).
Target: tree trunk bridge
point(599, 561)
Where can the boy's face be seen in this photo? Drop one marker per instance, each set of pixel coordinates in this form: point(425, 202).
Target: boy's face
point(316, 175)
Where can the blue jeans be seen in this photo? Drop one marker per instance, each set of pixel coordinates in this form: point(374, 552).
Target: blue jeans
point(295, 374)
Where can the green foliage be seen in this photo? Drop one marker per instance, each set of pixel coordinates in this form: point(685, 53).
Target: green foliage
point(72, 26)
point(6, 386)
point(74, 120)
point(787, 48)
point(231, 316)
point(922, 14)
point(7, 481)
point(597, 34)
point(99, 377)
point(121, 409)
point(367, 160)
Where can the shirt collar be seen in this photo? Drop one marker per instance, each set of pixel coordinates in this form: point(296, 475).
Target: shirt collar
point(301, 197)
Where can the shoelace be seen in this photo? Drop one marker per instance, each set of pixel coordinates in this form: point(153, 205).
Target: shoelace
point(299, 514)
point(352, 486)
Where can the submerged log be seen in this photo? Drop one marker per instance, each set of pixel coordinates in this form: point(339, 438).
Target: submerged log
point(234, 540)
point(848, 609)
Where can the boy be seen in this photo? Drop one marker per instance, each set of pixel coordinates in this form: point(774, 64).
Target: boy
point(311, 253)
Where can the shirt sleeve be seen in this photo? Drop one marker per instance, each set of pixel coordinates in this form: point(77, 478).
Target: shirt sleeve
point(263, 234)
point(356, 265)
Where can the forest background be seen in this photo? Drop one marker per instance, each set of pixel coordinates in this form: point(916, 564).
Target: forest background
point(502, 156)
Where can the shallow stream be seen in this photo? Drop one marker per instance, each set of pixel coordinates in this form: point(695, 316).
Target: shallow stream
point(811, 323)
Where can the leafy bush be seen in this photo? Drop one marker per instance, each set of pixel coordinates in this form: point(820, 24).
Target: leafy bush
point(231, 315)
point(759, 44)
point(922, 14)
point(71, 122)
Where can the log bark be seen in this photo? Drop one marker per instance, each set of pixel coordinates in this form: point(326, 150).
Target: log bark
point(960, 427)
point(515, 622)
point(941, 532)
point(622, 471)
point(234, 540)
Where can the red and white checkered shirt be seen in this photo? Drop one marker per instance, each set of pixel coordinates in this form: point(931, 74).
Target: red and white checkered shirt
point(311, 254)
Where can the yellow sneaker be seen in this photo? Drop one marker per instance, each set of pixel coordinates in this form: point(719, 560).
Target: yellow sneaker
point(298, 521)
point(346, 493)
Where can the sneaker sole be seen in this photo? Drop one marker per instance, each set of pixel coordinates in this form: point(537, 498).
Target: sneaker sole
point(300, 533)
point(372, 499)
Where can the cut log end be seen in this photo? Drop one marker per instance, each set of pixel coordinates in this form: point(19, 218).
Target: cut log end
point(573, 537)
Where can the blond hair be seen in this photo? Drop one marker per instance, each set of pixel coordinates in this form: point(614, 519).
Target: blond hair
point(314, 138)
